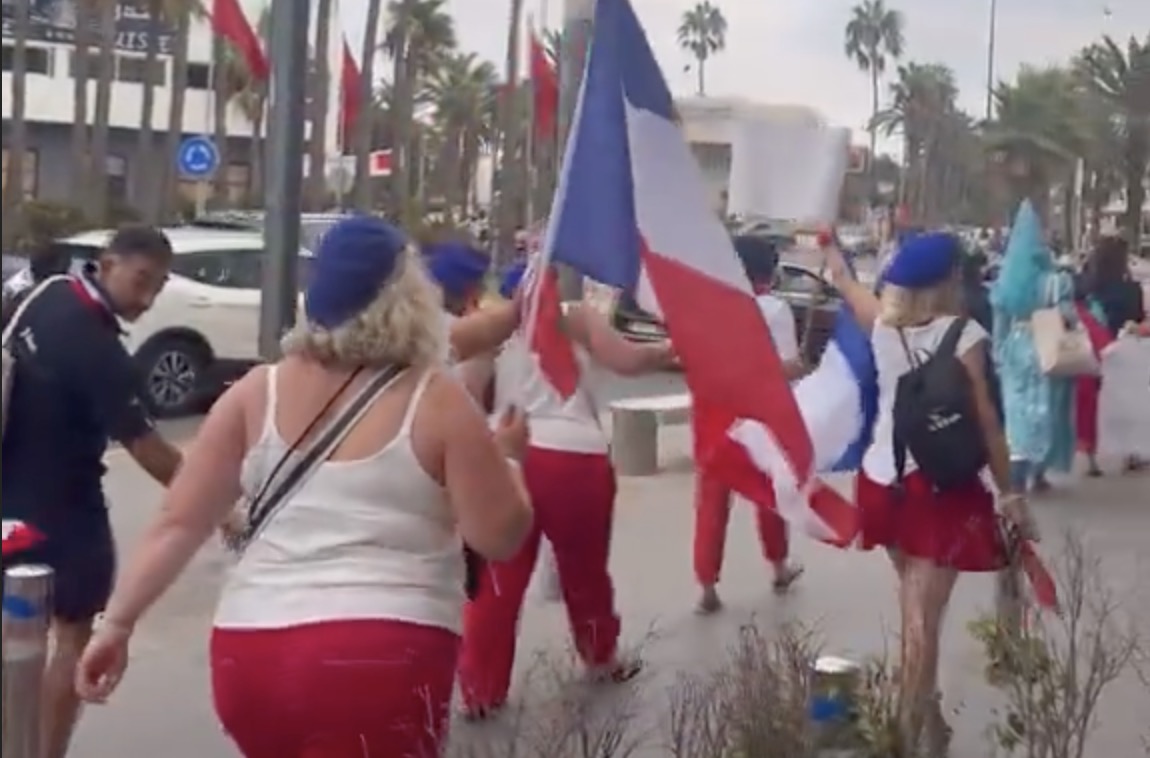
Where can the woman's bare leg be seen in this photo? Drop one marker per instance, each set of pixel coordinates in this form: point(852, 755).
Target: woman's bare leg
point(926, 590)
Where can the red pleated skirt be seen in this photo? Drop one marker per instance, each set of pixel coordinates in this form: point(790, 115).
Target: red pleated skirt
point(958, 528)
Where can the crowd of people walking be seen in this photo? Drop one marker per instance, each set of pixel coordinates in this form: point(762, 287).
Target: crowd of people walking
point(400, 466)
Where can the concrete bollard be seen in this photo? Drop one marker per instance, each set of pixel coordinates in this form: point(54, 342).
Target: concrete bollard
point(834, 700)
point(26, 604)
point(634, 442)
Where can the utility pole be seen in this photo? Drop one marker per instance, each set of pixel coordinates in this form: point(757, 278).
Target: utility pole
point(578, 20)
point(283, 198)
point(991, 54)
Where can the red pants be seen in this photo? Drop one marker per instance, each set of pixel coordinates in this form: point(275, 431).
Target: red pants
point(342, 689)
point(573, 495)
point(712, 512)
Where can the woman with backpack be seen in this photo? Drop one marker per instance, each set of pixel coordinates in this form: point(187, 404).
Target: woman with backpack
point(919, 491)
point(1039, 407)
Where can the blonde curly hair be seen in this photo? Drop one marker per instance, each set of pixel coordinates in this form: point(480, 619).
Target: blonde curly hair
point(902, 307)
point(403, 325)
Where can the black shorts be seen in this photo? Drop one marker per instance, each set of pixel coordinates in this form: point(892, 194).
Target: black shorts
point(85, 571)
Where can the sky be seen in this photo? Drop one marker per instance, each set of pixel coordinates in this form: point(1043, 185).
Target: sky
point(791, 51)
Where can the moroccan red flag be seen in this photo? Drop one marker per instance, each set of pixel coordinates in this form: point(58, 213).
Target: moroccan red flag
point(545, 90)
point(229, 21)
point(349, 105)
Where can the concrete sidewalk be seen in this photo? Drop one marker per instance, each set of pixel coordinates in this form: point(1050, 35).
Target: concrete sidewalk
point(164, 709)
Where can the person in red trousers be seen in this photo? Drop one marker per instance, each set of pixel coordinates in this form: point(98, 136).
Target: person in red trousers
point(712, 498)
point(572, 487)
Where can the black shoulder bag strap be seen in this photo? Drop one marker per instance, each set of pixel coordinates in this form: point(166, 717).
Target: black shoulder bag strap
point(896, 440)
point(303, 458)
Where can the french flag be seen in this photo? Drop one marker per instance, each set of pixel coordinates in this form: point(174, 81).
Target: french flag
point(838, 403)
point(543, 328)
point(631, 211)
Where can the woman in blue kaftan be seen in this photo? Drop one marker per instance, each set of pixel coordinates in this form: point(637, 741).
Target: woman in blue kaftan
point(1039, 409)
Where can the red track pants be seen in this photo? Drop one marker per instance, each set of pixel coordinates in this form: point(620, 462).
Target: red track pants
point(573, 495)
point(340, 689)
point(712, 512)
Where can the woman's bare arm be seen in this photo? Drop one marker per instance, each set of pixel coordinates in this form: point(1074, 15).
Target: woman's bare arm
point(483, 331)
point(486, 491)
point(862, 301)
point(610, 349)
point(975, 362)
point(202, 495)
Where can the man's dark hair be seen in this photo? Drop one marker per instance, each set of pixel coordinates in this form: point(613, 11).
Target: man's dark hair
point(1109, 264)
point(759, 256)
point(141, 240)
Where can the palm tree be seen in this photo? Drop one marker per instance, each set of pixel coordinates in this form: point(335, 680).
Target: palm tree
point(361, 138)
point(321, 77)
point(18, 146)
point(419, 33)
point(462, 88)
point(81, 68)
point(702, 33)
point(873, 33)
point(1121, 77)
point(145, 146)
point(923, 111)
point(1038, 132)
point(96, 206)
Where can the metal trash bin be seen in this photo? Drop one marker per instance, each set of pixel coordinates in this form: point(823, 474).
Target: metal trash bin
point(833, 705)
point(26, 603)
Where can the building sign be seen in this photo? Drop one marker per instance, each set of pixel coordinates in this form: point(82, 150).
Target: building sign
point(54, 21)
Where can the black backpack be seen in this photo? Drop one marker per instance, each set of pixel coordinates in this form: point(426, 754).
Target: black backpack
point(935, 418)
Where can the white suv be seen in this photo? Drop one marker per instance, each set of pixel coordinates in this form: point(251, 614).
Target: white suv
point(203, 330)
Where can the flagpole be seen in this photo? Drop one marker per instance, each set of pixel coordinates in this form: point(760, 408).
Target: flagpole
point(532, 174)
point(578, 20)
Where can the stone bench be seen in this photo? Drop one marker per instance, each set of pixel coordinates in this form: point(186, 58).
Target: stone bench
point(635, 430)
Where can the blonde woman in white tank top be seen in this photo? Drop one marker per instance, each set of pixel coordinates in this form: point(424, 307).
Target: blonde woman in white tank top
point(572, 488)
point(352, 591)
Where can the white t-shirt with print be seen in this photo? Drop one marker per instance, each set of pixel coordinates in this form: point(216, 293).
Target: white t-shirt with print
point(892, 362)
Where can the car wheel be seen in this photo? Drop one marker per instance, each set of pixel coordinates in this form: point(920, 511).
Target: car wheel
point(173, 371)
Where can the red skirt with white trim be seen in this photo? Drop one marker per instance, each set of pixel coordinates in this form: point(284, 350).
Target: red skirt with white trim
point(958, 528)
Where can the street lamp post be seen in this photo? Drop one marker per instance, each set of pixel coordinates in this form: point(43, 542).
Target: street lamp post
point(990, 59)
point(288, 52)
point(578, 19)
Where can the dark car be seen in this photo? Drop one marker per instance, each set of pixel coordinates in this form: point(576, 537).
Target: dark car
point(814, 301)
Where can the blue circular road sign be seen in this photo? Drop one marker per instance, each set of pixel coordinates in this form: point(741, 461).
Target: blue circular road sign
point(198, 157)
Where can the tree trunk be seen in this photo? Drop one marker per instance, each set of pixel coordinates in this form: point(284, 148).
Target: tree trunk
point(872, 130)
point(221, 94)
point(18, 146)
point(361, 191)
point(317, 148)
point(509, 118)
point(148, 191)
point(701, 73)
point(169, 180)
point(97, 194)
point(1137, 160)
point(80, 117)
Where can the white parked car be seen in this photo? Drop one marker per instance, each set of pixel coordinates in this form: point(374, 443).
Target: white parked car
point(203, 330)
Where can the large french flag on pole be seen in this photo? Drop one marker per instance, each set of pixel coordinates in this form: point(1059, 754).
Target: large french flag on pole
point(631, 211)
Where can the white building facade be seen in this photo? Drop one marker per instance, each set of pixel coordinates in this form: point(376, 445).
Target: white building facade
point(714, 126)
point(50, 107)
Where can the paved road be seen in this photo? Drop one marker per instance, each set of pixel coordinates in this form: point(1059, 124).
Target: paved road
point(163, 708)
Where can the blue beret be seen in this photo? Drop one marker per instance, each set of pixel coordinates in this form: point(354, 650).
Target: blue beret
point(455, 266)
point(354, 259)
point(923, 261)
point(512, 276)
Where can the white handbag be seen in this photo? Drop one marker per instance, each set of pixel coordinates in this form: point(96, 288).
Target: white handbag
point(1063, 346)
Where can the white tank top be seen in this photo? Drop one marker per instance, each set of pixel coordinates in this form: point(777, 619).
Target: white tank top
point(373, 538)
point(570, 425)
